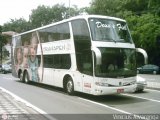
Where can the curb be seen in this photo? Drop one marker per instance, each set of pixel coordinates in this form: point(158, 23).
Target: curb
point(154, 85)
point(14, 107)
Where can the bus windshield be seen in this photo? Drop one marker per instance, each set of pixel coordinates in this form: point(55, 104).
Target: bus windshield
point(116, 62)
point(109, 30)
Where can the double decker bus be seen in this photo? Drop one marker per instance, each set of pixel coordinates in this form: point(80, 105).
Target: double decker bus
point(90, 53)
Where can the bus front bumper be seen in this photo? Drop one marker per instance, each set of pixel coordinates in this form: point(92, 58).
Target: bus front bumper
point(100, 90)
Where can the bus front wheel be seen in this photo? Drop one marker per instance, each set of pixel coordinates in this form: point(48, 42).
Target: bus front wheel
point(69, 86)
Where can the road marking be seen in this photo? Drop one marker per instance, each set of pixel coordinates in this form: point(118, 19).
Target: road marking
point(119, 110)
point(106, 106)
point(28, 104)
point(142, 98)
point(135, 116)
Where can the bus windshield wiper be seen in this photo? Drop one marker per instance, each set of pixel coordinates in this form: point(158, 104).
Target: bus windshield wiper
point(120, 40)
point(113, 40)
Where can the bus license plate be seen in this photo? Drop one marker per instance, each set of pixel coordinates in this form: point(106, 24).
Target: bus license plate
point(120, 90)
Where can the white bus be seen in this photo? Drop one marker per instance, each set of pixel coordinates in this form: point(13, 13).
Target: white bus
point(90, 53)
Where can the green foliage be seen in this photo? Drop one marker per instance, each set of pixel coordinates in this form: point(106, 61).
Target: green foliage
point(0, 29)
point(143, 17)
point(3, 38)
point(2, 42)
point(136, 6)
point(105, 7)
point(154, 7)
point(144, 32)
point(144, 27)
point(44, 15)
point(17, 25)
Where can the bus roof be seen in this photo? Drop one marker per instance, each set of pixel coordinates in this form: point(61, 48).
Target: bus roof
point(70, 19)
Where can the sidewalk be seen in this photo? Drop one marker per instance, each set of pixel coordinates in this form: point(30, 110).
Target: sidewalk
point(12, 109)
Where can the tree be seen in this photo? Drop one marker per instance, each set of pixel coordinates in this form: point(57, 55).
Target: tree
point(17, 25)
point(143, 18)
point(105, 7)
point(145, 30)
point(138, 7)
point(44, 15)
point(154, 7)
point(1, 43)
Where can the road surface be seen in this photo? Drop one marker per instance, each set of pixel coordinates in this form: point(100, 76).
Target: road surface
point(62, 106)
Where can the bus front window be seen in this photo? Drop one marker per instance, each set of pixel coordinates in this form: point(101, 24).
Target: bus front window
point(109, 30)
point(116, 62)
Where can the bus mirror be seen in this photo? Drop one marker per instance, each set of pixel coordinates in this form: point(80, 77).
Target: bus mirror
point(144, 53)
point(98, 55)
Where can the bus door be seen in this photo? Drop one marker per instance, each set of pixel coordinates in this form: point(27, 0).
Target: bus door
point(88, 81)
point(85, 66)
point(48, 77)
point(58, 77)
point(61, 64)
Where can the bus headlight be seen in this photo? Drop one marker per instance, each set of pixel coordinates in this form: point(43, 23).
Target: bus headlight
point(101, 84)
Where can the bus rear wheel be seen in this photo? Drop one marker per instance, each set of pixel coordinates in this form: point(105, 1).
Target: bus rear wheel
point(26, 77)
point(69, 86)
point(21, 76)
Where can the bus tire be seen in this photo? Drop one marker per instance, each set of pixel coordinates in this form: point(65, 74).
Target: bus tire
point(26, 77)
point(21, 76)
point(69, 86)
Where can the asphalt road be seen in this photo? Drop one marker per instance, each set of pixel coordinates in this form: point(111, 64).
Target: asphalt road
point(54, 101)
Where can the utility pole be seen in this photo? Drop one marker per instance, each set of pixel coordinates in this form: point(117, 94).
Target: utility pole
point(69, 9)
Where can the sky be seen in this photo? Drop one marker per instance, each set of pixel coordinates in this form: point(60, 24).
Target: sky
point(15, 9)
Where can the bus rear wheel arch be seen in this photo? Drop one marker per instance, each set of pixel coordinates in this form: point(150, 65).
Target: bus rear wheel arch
point(68, 85)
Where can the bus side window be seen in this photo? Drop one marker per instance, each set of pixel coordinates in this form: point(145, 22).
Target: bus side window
point(54, 33)
point(80, 30)
point(62, 61)
point(66, 61)
point(82, 43)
